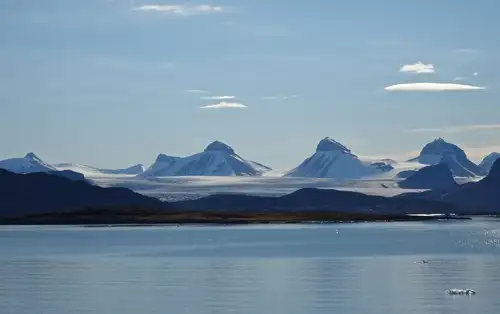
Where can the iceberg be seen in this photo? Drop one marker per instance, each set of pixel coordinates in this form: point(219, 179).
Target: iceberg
point(460, 292)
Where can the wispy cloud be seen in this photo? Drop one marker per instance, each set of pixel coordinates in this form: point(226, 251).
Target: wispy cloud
point(196, 91)
point(419, 68)
point(181, 9)
point(458, 129)
point(218, 97)
point(225, 105)
point(475, 73)
point(458, 78)
point(431, 87)
point(282, 97)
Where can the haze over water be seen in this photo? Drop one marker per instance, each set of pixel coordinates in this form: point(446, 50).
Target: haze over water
point(344, 268)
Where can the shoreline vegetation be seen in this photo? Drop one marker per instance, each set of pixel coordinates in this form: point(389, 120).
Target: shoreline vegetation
point(141, 217)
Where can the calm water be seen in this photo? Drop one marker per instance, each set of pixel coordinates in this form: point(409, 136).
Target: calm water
point(363, 268)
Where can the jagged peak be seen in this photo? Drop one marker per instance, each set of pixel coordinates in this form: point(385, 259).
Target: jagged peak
point(32, 157)
point(329, 144)
point(219, 147)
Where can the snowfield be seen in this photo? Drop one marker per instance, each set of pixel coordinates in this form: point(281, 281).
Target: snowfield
point(180, 188)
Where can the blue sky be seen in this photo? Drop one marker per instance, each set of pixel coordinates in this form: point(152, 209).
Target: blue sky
point(105, 82)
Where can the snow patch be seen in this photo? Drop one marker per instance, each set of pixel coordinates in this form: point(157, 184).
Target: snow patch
point(27, 164)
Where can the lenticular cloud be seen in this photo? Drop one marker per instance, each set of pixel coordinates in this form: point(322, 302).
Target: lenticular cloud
point(431, 87)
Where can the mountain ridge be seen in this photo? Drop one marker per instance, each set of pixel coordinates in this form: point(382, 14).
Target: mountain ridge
point(217, 159)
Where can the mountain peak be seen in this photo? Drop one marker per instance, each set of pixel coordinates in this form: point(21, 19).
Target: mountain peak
point(32, 157)
point(218, 146)
point(441, 151)
point(329, 144)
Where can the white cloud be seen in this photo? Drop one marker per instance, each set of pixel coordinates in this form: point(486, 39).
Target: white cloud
point(458, 129)
point(195, 91)
point(431, 87)
point(475, 73)
point(284, 97)
point(181, 9)
point(218, 97)
point(459, 78)
point(418, 68)
point(224, 105)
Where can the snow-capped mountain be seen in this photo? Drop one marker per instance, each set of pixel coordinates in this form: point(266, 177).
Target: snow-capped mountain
point(440, 151)
point(334, 160)
point(92, 171)
point(218, 159)
point(27, 164)
point(488, 162)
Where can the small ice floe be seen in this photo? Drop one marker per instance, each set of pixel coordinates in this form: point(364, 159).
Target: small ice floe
point(460, 292)
point(422, 262)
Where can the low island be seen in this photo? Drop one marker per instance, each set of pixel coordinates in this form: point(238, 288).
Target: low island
point(138, 216)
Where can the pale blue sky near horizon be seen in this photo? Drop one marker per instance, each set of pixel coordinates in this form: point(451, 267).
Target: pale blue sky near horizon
point(102, 83)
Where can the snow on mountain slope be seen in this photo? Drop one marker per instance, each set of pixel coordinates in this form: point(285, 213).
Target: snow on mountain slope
point(439, 151)
point(95, 172)
point(488, 162)
point(334, 160)
point(27, 164)
point(218, 159)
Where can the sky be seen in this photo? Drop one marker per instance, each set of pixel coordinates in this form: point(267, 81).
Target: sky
point(111, 83)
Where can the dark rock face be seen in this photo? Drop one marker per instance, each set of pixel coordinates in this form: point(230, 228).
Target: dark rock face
point(329, 144)
point(431, 177)
point(481, 197)
point(218, 146)
point(43, 192)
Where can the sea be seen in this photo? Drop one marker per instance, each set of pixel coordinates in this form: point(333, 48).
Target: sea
point(403, 267)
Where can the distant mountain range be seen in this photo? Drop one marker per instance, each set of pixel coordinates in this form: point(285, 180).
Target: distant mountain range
point(330, 160)
point(38, 193)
